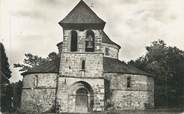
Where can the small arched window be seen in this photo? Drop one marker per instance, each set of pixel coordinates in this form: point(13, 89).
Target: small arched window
point(83, 65)
point(74, 40)
point(90, 41)
point(128, 82)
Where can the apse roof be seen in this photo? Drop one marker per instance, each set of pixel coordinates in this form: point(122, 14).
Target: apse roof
point(112, 65)
point(106, 39)
point(47, 67)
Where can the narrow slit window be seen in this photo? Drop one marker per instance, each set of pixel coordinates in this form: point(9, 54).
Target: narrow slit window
point(36, 81)
point(106, 51)
point(128, 82)
point(83, 65)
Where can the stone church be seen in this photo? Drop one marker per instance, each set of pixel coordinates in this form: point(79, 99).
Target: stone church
point(87, 76)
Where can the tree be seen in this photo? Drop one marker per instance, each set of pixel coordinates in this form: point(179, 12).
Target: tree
point(4, 65)
point(16, 94)
point(164, 62)
point(32, 61)
point(5, 74)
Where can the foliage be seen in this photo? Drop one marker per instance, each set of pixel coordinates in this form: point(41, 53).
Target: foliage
point(5, 74)
point(16, 94)
point(4, 65)
point(166, 64)
point(6, 98)
point(31, 61)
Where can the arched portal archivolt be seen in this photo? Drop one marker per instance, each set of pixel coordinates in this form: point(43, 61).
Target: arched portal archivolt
point(83, 96)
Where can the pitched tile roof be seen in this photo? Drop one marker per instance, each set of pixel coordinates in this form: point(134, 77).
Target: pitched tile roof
point(106, 39)
point(47, 67)
point(112, 65)
point(82, 14)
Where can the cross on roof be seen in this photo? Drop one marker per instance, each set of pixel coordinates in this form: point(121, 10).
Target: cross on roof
point(92, 4)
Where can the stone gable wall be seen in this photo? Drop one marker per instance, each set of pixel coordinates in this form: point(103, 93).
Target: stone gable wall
point(38, 92)
point(140, 94)
point(67, 100)
point(71, 64)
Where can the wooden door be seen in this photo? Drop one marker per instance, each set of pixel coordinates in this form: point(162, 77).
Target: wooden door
point(82, 100)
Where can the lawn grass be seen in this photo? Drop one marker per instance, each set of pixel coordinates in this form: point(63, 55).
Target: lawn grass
point(160, 111)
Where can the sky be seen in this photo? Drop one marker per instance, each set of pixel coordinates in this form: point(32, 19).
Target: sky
point(31, 26)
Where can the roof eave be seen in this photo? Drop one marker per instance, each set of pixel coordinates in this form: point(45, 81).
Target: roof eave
point(59, 43)
point(82, 25)
point(26, 73)
point(118, 46)
point(146, 74)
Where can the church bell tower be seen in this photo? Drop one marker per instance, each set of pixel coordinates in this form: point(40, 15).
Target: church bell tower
point(81, 82)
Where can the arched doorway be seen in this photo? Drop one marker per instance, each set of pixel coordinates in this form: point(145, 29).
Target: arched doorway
point(81, 100)
point(83, 97)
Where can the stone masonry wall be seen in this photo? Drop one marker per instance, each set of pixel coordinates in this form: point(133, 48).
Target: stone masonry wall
point(38, 100)
point(67, 100)
point(38, 92)
point(81, 40)
point(132, 100)
point(113, 50)
point(140, 94)
point(71, 64)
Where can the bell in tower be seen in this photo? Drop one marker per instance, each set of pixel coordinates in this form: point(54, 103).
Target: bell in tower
point(90, 41)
